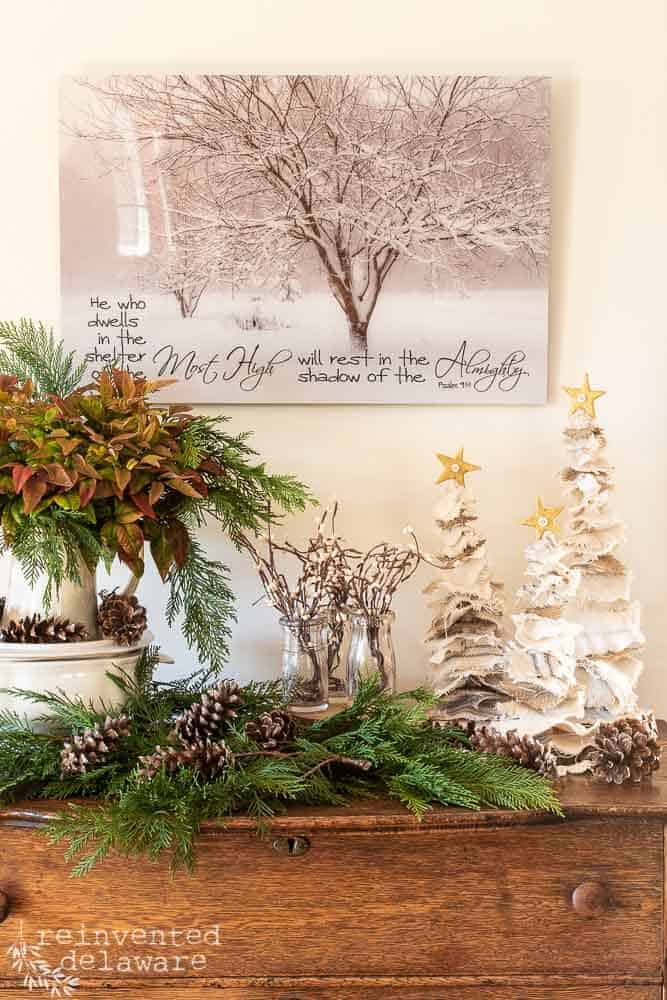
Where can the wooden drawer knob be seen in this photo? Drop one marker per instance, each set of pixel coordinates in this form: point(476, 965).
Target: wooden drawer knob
point(590, 899)
point(5, 906)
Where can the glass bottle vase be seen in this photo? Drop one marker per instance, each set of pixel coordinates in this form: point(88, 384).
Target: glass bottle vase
point(371, 651)
point(337, 634)
point(305, 674)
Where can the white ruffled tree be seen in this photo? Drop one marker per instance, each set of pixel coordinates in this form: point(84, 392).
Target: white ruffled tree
point(609, 643)
point(542, 667)
point(468, 652)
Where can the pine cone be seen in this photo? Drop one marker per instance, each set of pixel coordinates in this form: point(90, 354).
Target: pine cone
point(121, 618)
point(527, 751)
point(93, 745)
point(208, 758)
point(627, 750)
point(34, 628)
point(208, 717)
point(271, 730)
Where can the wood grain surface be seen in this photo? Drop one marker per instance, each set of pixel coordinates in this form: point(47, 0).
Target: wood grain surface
point(364, 904)
point(565, 991)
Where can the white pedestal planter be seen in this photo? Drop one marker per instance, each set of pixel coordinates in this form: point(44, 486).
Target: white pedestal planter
point(79, 669)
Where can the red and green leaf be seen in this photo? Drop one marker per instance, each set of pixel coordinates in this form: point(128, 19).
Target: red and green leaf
point(57, 476)
point(122, 477)
point(130, 540)
point(143, 503)
point(87, 489)
point(162, 552)
point(127, 513)
point(179, 540)
point(182, 486)
point(33, 491)
point(20, 476)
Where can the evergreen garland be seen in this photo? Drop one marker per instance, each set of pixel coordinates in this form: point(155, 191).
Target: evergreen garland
point(382, 745)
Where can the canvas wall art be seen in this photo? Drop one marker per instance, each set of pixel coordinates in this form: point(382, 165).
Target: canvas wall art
point(310, 239)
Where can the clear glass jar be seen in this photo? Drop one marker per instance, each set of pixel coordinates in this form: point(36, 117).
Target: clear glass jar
point(305, 674)
point(371, 651)
point(337, 645)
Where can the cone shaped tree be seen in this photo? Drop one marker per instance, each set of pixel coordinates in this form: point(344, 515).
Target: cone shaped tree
point(542, 665)
point(609, 643)
point(465, 640)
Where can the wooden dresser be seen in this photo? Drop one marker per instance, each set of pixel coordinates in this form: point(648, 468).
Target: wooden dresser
point(345, 904)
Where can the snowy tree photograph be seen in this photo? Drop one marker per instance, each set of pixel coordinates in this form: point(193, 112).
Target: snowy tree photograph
point(310, 238)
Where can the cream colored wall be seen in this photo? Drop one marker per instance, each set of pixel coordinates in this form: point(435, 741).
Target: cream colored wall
point(608, 262)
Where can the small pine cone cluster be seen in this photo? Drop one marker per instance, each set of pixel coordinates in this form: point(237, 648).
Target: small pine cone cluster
point(627, 750)
point(196, 739)
point(93, 746)
point(207, 718)
point(527, 751)
point(271, 730)
point(34, 628)
point(206, 757)
point(120, 617)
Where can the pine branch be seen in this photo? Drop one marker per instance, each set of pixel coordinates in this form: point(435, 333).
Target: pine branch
point(28, 760)
point(138, 688)
point(30, 351)
point(51, 545)
point(81, 828)
point(61, 712)
point(245, 497)
point(200, 591)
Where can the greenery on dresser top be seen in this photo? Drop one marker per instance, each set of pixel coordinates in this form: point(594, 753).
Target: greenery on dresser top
point(383, 745)
point(100, 472)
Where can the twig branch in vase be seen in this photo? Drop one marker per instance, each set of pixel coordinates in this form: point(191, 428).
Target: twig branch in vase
point(319, 591)
point(378, 575)
point(337, 560)
point(373, 583)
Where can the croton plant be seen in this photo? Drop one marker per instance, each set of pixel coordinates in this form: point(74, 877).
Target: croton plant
point(103, 472)
point(108, 456)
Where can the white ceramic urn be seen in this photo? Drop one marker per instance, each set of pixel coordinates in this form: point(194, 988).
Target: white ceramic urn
point(78, 602)
point(79, 669)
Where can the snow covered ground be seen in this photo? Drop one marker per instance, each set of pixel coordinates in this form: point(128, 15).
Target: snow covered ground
point(489, 347)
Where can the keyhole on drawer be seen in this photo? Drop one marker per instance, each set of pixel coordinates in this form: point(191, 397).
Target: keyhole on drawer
point(294, 847)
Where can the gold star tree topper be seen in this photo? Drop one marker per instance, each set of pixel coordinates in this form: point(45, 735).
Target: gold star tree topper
point(455, 468)
point(583, 397)
point(544, 519)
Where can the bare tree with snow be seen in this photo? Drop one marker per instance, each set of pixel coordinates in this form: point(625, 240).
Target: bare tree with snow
point(357, 173)
point(186, 258)
point(178, 264)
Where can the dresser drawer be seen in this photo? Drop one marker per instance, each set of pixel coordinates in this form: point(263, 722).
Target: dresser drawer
point(491, 902)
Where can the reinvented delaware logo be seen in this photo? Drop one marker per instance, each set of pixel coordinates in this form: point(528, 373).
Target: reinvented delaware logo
point(37, 974)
